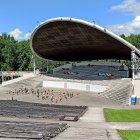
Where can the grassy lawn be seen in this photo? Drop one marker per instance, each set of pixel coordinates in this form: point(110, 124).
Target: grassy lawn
point(129, 134)
point(116, 115)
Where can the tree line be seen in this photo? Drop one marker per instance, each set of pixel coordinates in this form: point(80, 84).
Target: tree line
point(17, 55)
point(14, 55)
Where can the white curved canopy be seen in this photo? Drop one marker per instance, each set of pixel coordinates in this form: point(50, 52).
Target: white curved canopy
point(74, 39)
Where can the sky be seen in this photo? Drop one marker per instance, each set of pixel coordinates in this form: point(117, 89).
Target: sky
point(20, 17)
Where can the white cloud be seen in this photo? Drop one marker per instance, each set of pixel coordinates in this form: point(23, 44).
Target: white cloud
point(27, 35)
point(136, 22)
point(128, 6)
point(18, 34)
point(127, 28)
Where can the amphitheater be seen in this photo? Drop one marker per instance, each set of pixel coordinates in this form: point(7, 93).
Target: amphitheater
point(68, 103)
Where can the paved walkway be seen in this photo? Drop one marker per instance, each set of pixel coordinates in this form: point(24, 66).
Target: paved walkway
point(91, 126)
point(73, 133)
point(93, 114)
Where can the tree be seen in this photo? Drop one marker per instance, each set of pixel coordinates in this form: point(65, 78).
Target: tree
point(24, 56)
point(14, 55)
point(133, 39)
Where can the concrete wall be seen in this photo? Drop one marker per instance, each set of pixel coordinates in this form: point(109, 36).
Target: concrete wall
point(137, 75)
point(25, 76)
point(137, 89)
point(74, 85)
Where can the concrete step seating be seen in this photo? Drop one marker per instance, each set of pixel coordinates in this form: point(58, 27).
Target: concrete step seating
point(13, 108)
point(30, 130)
point(85, 72)
point(118, 89)
point(121, 92)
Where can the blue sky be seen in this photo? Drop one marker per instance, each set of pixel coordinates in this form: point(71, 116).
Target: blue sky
point(20, 17)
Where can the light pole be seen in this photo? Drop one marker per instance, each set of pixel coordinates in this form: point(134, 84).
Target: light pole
point(133, 59)
point(34, 64)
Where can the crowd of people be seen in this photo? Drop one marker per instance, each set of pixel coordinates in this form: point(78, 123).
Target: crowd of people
point(55, 96)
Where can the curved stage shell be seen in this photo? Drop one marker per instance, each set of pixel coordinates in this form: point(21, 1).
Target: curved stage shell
point(69, 39)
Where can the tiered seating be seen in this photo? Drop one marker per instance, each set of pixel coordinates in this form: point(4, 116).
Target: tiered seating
point(34, 110)
point(120, 92)
point(94, 72)
point(30, 82)
point(30, 130)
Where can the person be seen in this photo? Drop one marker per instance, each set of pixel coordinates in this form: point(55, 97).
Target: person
point(37, 92)
point(52, 97)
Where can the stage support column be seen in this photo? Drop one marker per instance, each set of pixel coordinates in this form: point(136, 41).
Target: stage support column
point(133, 59)
point(47, 66)
point(34, 63)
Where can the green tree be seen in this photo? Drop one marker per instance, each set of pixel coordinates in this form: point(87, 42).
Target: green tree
point(24, 56)
point(133, 39)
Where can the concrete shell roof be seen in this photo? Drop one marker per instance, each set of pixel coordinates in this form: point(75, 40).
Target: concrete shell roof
point(69, 39)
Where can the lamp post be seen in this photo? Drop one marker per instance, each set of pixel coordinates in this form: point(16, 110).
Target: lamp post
point(133, 57)
point(34, 64)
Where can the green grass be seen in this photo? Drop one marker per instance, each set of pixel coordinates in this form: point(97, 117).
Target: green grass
point(129, 134)
point(116, 115)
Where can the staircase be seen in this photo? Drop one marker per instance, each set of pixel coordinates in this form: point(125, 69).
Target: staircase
point(121, 92)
